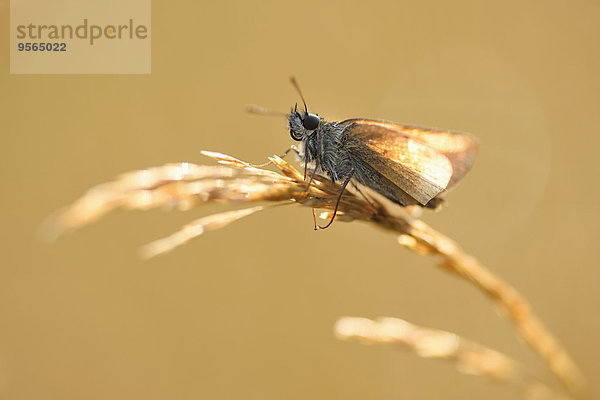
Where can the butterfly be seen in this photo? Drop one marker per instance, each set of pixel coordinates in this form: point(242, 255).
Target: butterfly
point(409, 165)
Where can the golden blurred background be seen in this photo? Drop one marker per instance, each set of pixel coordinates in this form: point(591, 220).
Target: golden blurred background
point(247, 312)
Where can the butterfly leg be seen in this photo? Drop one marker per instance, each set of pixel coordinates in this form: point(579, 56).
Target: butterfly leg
point(305, 165)
point(311, 176)
point(285, 153)
point(292, 147)
point(338, 200)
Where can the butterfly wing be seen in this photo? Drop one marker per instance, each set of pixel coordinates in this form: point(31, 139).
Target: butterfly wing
point(422, 162)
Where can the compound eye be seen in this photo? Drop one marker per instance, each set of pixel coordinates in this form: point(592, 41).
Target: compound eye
point(311, 121)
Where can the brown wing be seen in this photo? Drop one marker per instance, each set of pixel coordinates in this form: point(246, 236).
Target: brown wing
point(421, 161)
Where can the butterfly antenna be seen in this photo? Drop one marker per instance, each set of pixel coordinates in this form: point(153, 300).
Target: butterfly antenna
point(297, 87)
point(254, 109)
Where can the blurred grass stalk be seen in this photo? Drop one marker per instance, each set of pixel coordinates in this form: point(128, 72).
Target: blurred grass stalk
point(186, 185)
point(468, 357)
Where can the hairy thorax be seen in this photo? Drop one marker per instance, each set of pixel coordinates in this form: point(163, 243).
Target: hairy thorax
point(324, 147)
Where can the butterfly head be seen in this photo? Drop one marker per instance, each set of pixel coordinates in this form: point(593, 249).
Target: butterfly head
point(302, 124)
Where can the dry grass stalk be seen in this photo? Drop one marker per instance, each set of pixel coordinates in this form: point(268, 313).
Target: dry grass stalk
point(468, 357)
point(187, 185)
point(424, 240)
